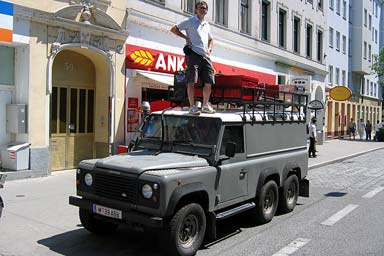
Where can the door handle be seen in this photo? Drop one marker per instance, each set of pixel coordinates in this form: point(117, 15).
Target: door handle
point(243, 172)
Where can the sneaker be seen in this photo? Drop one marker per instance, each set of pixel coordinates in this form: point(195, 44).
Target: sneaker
point(194, 110)
point(208, 109)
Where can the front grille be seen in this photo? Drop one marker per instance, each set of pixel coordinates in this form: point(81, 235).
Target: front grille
point(115, 186)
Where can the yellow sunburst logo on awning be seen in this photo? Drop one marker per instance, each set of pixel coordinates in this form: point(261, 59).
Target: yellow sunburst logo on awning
point(142, 57)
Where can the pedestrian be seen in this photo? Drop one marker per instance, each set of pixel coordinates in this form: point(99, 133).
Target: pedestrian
point(352, 129)
point(312, 138)
point(368, 130)
point(361, 127)
point(198, 48)
point(378, 126)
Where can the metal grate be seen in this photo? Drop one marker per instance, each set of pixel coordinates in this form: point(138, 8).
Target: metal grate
point(118, 187)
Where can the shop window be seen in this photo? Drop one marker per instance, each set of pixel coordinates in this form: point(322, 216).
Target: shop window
point(7, 64)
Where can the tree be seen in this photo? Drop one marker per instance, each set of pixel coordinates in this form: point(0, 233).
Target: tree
point(378, 64)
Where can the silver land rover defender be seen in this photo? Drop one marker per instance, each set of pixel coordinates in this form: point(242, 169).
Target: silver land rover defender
point(185, 173)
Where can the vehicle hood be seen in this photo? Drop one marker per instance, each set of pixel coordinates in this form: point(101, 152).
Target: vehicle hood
point(140, 161)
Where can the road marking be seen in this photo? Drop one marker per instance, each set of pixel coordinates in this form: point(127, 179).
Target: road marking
point(339, 215)
point(292, 247)
point(373, 192)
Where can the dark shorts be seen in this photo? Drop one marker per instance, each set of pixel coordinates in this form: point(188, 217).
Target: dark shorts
point(199, 67)
point(352, 130)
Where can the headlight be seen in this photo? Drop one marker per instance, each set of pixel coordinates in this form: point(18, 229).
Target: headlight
point(147, 192)
point(88, 179)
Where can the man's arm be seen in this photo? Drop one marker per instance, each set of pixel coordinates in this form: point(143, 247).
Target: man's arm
point(177, 32)
point(210, 45)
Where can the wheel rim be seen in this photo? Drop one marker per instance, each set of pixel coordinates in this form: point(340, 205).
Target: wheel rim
point(269, 201)
point(188, 231)
point(291, 193)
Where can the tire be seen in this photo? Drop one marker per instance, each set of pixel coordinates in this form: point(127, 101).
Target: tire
point(266, 203)
point(95, 226)
point(289, 194)
point(187, 230)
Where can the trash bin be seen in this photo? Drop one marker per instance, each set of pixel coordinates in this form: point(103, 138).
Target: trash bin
point(15, 156)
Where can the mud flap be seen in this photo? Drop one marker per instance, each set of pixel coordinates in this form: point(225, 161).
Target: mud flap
point(304, 188)
point(210, 234)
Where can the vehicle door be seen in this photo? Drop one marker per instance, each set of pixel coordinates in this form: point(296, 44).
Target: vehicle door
point(233, 173)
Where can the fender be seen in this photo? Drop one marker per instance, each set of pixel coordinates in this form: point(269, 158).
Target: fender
point(181, 191)
point(263, 176)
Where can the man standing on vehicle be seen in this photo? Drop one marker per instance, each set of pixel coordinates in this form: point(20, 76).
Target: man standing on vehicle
point(198, 48)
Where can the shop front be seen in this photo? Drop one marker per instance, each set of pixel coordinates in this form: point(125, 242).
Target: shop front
point(149, 73)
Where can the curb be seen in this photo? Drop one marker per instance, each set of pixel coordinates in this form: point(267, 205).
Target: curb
point(314, 166)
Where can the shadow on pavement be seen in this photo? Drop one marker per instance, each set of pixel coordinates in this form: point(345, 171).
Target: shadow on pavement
point(123, 242)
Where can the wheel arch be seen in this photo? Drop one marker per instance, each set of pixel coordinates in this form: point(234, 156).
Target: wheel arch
point(193, 192)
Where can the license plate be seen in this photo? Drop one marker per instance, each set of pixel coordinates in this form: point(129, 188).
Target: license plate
point(106, 211)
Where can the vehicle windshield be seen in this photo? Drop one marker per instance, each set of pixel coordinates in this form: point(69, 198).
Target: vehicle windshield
point(187, 134)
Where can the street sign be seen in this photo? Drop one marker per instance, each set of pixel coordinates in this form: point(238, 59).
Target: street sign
point(340, 93)
point(315, 105)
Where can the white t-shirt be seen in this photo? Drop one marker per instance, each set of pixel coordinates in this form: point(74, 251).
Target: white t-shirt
point(199, 32)
point(312, 130)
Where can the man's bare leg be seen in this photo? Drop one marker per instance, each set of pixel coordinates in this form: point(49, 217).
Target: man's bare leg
point(206, 93)
point(191, 93)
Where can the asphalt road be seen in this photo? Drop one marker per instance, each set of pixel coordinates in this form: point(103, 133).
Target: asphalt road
point(343, 216)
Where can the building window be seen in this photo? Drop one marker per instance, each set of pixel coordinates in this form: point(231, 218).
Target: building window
point(375, 35)
point(369, 52)
point(350, 15)
point(343, 78)
point(337, 40)
point(365, 17)
point(265, 10)
point(281, 79)
point(365, 50)
point(331, 4)
point(282, 27)
point(7, 64)
point(245, 16)
point(377, 9)
point(375, 90)
point(367, 87)
point(189, 5)
point(370, 22)
point(344, 44)
point(309, 41)
point(330, 37)
point(330, 75)
point(158, 1)
point(222, 12)
point(320, 5)
point(296, 34)
point(337, 76)
point(371, 89)
point(338, 7)
point(319, 45)
point(349, 47)
point(344, 9)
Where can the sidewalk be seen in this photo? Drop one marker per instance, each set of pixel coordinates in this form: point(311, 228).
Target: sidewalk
point(337, 150)
point(331, 151)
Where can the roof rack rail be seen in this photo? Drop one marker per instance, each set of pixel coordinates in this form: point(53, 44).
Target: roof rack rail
point(274, 102)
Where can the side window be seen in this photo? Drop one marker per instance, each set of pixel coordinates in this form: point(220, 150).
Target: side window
point(233, 134)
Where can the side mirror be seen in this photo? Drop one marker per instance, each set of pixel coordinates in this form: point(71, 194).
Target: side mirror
point(230, 149)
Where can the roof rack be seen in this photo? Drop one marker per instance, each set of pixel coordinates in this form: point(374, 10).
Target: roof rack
point(274, 102)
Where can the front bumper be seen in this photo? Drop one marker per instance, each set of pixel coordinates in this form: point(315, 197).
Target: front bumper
point(128, 216)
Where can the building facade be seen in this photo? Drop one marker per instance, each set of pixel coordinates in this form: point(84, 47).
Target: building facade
point(63, 60)
point(274, 41)
point(364, 26)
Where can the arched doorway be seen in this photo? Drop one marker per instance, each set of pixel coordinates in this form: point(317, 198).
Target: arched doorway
point(72, 124)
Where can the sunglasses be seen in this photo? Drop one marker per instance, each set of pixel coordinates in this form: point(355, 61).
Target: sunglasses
point(203, 8)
